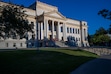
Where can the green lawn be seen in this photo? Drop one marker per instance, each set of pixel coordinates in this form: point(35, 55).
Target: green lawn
point(44, 61)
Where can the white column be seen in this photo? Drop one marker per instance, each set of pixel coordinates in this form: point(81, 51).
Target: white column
point(46, 28)
point(83, 38)
point(64, 31)
point(87, 33)
point(42, 30)
point(83, 35)
point(87, 37)
point(39, 31)
point(52, 29)
point(58, 30)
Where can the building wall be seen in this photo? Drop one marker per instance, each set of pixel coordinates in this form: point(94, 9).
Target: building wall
point(13, 43)
point(43, 8)
point(47, 12)
point(84, 34)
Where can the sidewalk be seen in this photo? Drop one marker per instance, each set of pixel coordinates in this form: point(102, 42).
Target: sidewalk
point(101, 65)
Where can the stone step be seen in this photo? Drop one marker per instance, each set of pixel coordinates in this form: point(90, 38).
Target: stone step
point(60, 44)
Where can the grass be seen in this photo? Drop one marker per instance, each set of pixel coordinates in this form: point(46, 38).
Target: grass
point(44, 61)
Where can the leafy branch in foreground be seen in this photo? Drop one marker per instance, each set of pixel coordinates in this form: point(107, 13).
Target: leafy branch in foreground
point(105, 13)
point(13, 22)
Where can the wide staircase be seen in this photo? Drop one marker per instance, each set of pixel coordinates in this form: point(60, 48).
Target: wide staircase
point(61, 44)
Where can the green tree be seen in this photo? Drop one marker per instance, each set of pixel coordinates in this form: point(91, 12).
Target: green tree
point(13, 21)
point(101, 31)
point(105, 13)
point(109, 29)
point(100, 37)
point(90, 39)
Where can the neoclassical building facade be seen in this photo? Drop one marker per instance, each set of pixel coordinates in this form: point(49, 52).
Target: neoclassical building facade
point(50, 24)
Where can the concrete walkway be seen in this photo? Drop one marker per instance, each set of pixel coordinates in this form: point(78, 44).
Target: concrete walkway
point(101, 65)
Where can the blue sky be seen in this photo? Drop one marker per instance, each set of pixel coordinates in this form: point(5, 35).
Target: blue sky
point(78, 9)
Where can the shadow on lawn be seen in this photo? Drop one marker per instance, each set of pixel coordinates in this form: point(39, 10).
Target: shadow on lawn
point(39, 62)
point(97, 66)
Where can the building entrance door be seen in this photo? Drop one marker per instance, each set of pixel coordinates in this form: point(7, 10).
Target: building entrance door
point(50, 37)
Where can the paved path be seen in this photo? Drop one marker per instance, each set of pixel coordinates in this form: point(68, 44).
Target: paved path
point(101, 65)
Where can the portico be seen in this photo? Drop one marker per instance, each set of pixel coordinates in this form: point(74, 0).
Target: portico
point(52, 27)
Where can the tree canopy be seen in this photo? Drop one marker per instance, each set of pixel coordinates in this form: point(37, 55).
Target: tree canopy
point(101, 31)
point(105, 13)
point(100, 37)
point(13, 21)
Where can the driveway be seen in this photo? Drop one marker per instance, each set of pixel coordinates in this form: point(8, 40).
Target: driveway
point(100, 65)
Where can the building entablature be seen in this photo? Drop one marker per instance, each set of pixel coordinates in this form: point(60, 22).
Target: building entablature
point(73, 21)
point(55, 15)
point(84, 23)
point(30, 12)
point(3, 3)
point(72, 24)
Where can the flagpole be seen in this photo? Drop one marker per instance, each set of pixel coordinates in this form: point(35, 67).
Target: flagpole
point(36, 26)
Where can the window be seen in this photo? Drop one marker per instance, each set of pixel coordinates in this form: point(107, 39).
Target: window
point(73, 30)
point(14, 44)
point(85, 32)
point(21, 44)
point(43, 26)
point(54, 27)
point(78, 31)
point(61, 29)
point(78, 39)
point(73, 38)
point(85, 38)
point(67, 30)
point(49, 26)
point(62, 38)
point(70, 30)
point(6, 44)
point(84, 24)
point(32, 25)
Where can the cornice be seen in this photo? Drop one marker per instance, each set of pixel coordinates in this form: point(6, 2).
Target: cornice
point(31, 16)
point(73, 24)
point(48, 14)
point(55, 17)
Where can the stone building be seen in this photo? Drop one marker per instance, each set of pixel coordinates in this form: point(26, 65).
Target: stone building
point(50, 24)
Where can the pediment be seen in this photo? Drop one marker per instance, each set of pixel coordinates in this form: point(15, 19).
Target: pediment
point(55, 14)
